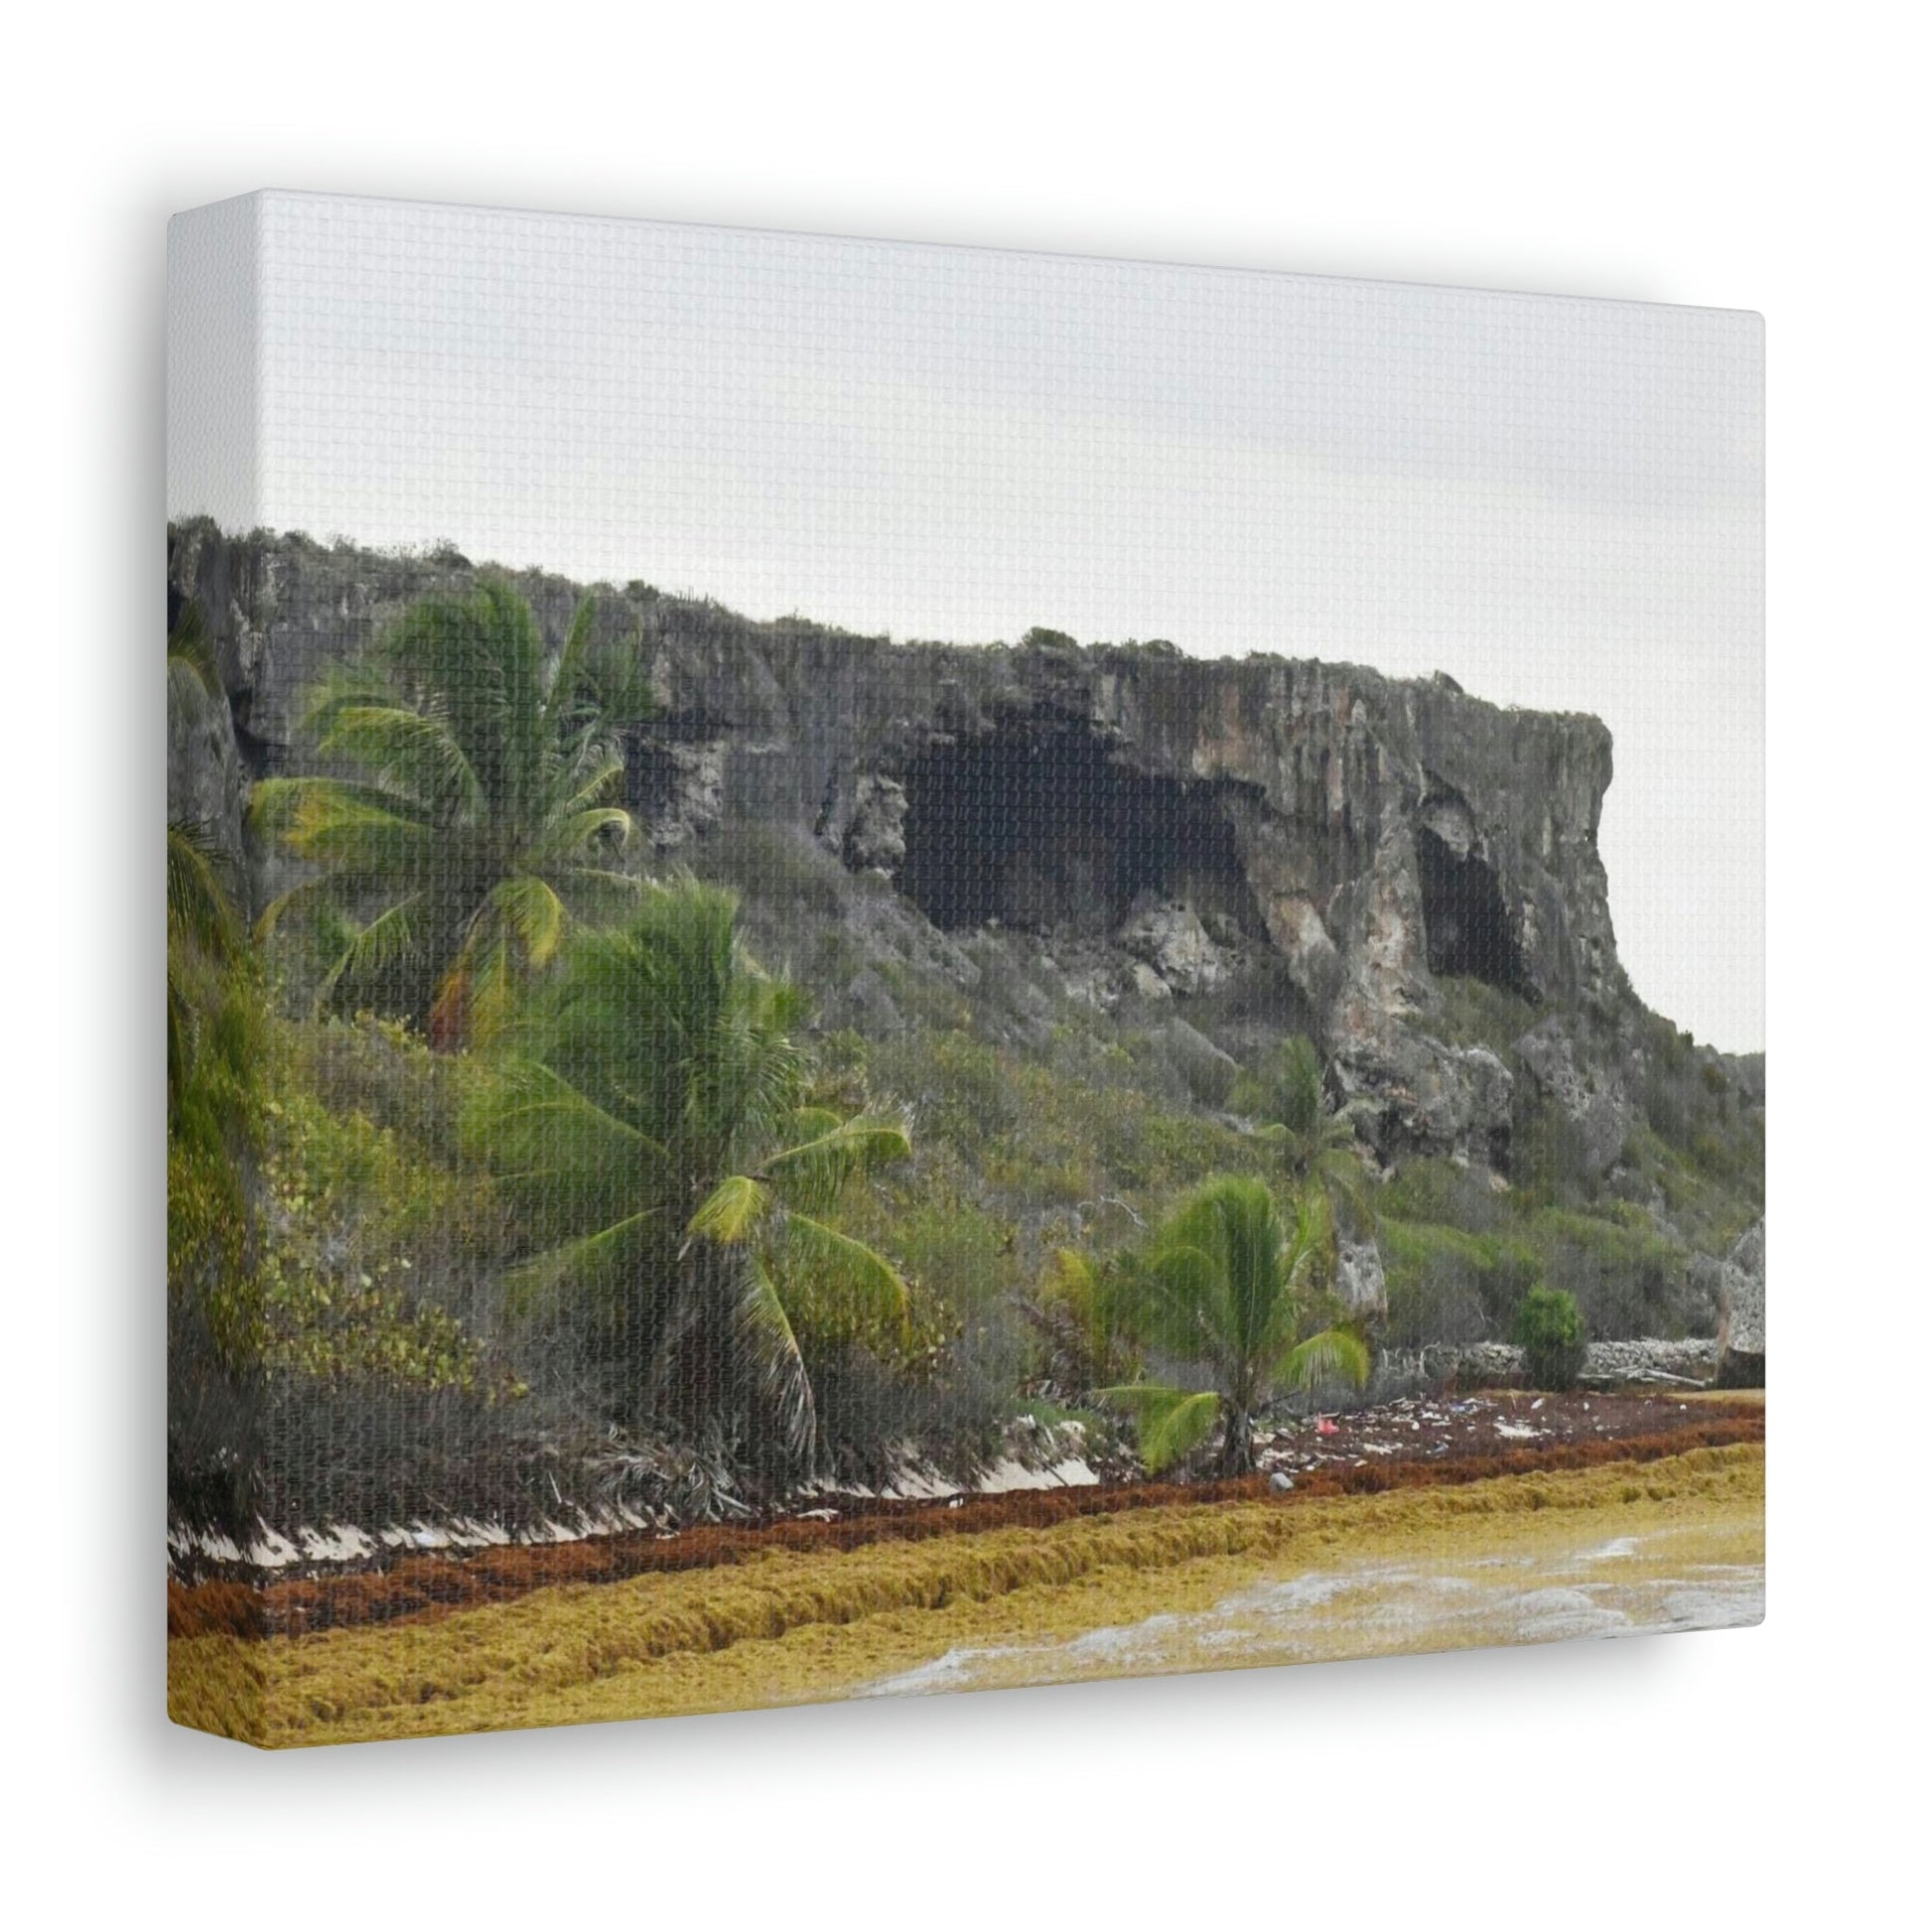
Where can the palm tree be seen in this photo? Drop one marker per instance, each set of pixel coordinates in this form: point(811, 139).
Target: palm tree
point(193, 680)
point(1225, 1288)
point(659, 1121)
point(1318, 1146)
point(480, 817)
point(208, 1008)
point(217, 1048)
point(205, 943)
point(1079, 1312)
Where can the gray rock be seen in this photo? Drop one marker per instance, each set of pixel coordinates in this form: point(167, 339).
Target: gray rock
point(1605, 1364)
point(1591, 1098)
point(875, 836)
point(1359, 1278)
point(1209, 1072)
point(1408, 1093)
point(1169, 938)
point(692, 795)
point(1203, 819)
point(1740, 1312)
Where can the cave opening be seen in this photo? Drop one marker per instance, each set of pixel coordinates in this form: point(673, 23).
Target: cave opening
point(1036, 826)
point(1468, 929)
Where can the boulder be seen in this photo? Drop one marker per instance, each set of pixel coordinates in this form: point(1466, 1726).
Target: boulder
point(1209, 1072)
point(1168, 936)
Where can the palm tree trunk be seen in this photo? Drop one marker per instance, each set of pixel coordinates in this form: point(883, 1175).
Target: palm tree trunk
point(1237, 1440)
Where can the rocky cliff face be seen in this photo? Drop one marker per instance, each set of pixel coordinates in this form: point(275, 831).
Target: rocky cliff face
point(1368, 838)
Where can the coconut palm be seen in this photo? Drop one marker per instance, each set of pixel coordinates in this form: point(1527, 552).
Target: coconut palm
point(1225, 1289)
point(193, 680)
point(1077, 1310)
point(1287, 1096)
point(205, 943)
point(1318, 1146)
point(658, 1117)
point(216, 1049)
point(481, 815)
point(209, 1009)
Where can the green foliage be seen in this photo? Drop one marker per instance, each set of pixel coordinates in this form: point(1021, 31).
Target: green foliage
point(369, 1330)
point(1042, 639)
point(784, 876)
point(372, 1233)
point(1549, 1328)
point(1447, 1191)
point(658, 1124)
point(1626, 1273)
point(1081, 1310)
point(1445, 1284)
point(1286, 1091)
point(1549, 1159)
point(481, 817)
point(1473, 1013)
point(1317, 1145)
point(1225, 1288)
point(216, 1060)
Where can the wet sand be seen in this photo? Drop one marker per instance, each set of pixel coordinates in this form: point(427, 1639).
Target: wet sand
point(1613, 1550)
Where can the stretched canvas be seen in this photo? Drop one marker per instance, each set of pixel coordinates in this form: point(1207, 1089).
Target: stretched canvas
point(896, 969)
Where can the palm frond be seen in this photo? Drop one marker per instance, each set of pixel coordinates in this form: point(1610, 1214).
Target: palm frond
point(568, 840)
point(1170, 1423)
point(533, 915)
point(542, 1128)
point(777, 1362)
point(813, 1173)
point(859, 1276)
point(731, 1211)
point(591, 1260)
point(411, 753)
point(1336, 1354)
point(201, 912)
point(358, 834)
point(387, 937)
point(572, 662)
point(193, 678)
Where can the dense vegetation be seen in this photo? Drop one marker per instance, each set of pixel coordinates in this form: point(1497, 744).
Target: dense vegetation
point(511, 1169)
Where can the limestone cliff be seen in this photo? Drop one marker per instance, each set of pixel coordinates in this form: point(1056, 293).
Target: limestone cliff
point(1370, 838)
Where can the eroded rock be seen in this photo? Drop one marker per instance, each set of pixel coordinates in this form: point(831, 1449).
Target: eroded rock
point(1740, 1312)
point(1202, 819)
point(1171, 939)
point(1592, 1097)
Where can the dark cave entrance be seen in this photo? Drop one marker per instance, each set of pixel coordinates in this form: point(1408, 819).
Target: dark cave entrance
point(1036, 826)
point(1468, 925)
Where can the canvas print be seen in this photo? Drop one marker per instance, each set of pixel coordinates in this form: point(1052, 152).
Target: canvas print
point(896, 969)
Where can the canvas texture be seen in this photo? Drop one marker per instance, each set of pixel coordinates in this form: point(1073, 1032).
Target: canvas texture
point(896, 969)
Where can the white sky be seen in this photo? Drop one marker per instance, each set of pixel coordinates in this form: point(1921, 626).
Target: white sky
point(1558, 502)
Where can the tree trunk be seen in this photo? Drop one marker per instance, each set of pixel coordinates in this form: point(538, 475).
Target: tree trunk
point(1237, 1440)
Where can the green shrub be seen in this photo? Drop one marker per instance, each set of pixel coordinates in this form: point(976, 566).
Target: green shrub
point(1445, 1283)
point(1549, 1328)
point(1473, 1013)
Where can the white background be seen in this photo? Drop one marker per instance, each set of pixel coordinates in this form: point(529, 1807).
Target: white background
point(1682, 152)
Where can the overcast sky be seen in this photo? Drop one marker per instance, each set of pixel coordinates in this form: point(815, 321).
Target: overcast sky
point(1558, 502)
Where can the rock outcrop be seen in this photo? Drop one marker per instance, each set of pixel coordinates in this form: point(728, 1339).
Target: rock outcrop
point(1740, 1312)
point(1367, 837)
